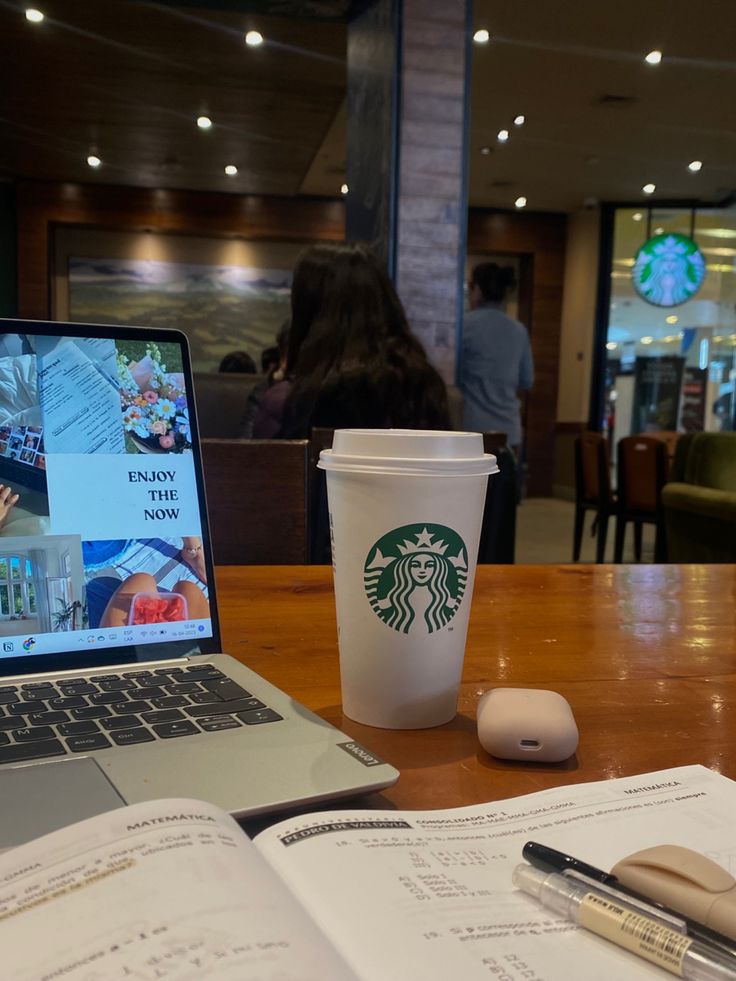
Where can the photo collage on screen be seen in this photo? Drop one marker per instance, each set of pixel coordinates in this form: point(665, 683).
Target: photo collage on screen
point(100, 532)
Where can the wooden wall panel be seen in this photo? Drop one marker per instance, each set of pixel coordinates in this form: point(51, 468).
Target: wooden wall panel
point(540, 240)
point(41, 206)
point(8, 286)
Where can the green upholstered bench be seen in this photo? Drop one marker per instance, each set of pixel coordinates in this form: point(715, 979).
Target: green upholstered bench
point(700, 499)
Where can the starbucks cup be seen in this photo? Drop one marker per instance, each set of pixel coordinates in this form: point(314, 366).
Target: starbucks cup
point(405, 517)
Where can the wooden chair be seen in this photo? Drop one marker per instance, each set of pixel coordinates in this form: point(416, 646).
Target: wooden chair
point(257, 500)
point(494, 441)
point(320, 549)
point(321, 439)
point(592, 491)
point(498, 530)
point(642, 472)
point(671, 438)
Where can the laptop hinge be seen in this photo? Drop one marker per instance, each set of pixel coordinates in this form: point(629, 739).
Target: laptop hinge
point(169, 662)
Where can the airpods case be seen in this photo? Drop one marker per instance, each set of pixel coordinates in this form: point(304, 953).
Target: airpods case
point(529, 724)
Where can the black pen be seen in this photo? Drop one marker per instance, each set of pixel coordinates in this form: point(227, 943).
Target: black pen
point(550, 860)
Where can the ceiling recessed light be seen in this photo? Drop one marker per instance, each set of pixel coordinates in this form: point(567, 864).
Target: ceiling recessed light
point(694, 166)
point(34, 16)
point(204, 122)
point(503, 135)
point(647, 340)
point(482, 36)
point(485, 150)
point(344, 189)
point(637, 216)
point(253, 39)
point(93, 160)
point(231, 170)
point(659, 231)
point(611, 346)
point(654, 57)
point(649, 188)
point(519, 120)
point(672, 319)
point(520, 202)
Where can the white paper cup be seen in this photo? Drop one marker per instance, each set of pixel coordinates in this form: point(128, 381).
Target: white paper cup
point(405, 517)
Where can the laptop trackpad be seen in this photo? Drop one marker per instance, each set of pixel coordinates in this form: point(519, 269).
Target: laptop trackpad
point(42, 797)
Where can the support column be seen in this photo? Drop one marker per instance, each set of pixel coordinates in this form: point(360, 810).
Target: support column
point(408, 87)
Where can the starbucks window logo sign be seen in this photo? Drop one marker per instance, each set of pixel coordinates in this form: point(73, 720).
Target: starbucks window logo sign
point(415, 577)
point(668, 270)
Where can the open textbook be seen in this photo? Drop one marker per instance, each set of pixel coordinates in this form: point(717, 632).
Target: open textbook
point(173, 889)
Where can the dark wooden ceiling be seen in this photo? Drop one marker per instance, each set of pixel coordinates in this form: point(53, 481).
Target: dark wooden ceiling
point(126, 81)
point(302, 9)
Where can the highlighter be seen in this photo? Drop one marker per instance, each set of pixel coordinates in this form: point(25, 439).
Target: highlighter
point(685, 881)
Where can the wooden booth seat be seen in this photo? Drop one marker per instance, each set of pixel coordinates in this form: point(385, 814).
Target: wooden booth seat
point(267, 501)
point(257, 499)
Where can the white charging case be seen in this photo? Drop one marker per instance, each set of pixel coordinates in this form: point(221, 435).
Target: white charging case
point(529, 724)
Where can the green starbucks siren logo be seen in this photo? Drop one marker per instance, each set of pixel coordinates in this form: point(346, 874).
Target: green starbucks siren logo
point(668, 270)
point(417, 572)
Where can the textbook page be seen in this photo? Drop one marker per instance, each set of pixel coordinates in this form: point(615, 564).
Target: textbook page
point(428, 894)
point(165, 890)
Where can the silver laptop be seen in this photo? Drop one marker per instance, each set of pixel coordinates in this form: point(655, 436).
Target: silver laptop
point(113, 689)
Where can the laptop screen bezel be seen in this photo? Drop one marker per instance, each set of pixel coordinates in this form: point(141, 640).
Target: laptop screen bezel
point(165, 650)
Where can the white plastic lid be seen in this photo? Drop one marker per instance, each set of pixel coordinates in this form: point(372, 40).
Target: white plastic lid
point(408, 451)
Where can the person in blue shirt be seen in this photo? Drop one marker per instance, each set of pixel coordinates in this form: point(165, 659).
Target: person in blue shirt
point(496, 360)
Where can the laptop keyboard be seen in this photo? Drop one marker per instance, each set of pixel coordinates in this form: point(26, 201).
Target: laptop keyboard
point(78, 715)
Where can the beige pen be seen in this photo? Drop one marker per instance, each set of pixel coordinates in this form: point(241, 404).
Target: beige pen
point(624, 925)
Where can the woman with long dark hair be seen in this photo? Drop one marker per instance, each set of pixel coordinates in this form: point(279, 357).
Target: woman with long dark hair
point(352, 359)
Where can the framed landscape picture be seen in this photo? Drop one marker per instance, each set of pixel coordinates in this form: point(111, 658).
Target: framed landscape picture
point(236, 296)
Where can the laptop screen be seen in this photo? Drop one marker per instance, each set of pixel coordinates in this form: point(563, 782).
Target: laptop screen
point(104, 553)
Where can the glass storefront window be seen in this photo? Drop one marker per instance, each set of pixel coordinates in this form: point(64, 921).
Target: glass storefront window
point(672, 367)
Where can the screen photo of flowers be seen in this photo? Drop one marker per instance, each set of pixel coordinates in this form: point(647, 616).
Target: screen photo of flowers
point(153, 398)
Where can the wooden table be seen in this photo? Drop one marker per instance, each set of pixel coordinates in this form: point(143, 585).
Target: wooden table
point(645, 654)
